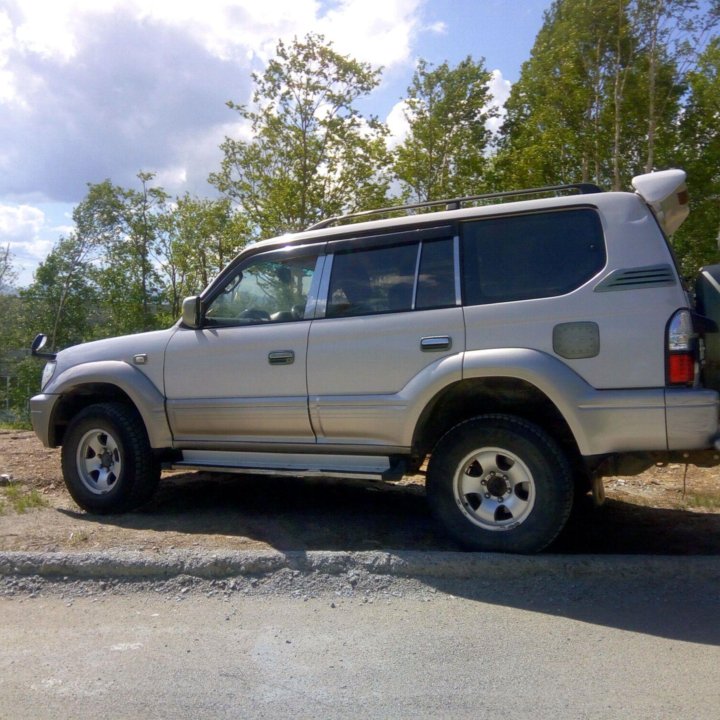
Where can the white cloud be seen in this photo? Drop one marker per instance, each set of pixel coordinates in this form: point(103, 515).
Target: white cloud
point(7, 81)
point(26, 230)
point(135, 96)
point(500, 90)
point(438, 28)
point(379, 31)
point(105, 89)
point(398, 124)
point(19, 223)
point(499, 87)
point(376, 31)
point(98, 89)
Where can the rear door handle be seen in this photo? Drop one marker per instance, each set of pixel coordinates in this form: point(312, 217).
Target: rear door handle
point(435, 344)
point(281, 357)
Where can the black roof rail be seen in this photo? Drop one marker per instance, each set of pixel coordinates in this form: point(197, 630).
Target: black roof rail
point(456, 203)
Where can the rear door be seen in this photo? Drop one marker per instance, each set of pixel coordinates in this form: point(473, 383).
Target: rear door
point(392, 315)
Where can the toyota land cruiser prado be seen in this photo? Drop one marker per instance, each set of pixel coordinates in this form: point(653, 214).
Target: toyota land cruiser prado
point(514, 351)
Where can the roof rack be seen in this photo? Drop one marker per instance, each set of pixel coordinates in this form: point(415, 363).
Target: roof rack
point(456, 203)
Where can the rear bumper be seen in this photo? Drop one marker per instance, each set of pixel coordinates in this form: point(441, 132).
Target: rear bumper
point(692, 419)
point(693, 436)
point(608, 422)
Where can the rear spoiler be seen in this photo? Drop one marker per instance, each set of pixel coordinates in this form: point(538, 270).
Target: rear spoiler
point(666, 193)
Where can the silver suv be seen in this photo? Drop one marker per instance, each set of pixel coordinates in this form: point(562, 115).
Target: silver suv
point(515, 351)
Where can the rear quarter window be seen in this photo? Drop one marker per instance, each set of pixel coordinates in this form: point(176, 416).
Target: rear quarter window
point(537, 255)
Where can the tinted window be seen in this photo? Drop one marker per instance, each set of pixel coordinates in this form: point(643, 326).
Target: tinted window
point(436, 281)
point(530, 256)
point(372, 281)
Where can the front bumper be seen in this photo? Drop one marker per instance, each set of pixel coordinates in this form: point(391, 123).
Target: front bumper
point(41, 412)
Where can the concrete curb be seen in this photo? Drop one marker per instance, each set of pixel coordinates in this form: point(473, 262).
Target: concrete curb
point(132, 565)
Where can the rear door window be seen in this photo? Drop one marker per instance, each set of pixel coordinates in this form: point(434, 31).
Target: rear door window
point(393, 277)
point(365, 282)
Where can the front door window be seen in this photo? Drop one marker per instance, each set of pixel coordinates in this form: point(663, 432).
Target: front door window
point(264, 291)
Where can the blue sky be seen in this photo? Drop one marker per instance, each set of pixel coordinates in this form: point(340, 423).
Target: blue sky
point(96, 89)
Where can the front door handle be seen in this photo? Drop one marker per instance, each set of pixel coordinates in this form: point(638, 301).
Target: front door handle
point(281, 357)
point(435, 344)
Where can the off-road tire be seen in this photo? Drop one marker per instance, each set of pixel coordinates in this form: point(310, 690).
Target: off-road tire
point(498, 483)
point(107, 461)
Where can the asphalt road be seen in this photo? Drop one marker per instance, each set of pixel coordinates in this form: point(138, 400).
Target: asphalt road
point(539, 647)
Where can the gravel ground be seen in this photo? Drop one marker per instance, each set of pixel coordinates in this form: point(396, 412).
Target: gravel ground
point(283, 583)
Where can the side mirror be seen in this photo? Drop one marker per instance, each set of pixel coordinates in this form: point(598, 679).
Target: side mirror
point(36, 349)
point(191, 311)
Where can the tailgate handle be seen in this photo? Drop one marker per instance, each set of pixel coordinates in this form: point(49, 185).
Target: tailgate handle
point(434, 344)
point(281, 357)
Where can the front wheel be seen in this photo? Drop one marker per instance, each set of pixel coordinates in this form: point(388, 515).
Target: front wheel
point(498, 483)
point(107, 461)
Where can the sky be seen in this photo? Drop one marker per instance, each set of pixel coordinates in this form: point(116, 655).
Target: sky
point(103, 89)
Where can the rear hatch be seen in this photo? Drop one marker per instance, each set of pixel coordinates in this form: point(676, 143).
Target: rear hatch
point(707, 305)
point(666, 193)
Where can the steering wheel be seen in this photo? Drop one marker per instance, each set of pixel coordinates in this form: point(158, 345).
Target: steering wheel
point(255, 314)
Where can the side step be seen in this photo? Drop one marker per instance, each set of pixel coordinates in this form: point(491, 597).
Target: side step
point(364, 467)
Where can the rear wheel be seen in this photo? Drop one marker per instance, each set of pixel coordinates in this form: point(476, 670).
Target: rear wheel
point(107, 461)
point(499, 483)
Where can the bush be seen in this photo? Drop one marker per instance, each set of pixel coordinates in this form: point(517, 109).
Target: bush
point(18, 386)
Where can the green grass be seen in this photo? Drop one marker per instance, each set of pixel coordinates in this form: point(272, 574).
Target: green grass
point(20, 499)
point(15, 425)
point(704, 500)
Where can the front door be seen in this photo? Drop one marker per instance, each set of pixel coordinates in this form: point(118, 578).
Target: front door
point(241, 377)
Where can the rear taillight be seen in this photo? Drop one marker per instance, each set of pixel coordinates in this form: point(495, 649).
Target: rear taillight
point(681, 349)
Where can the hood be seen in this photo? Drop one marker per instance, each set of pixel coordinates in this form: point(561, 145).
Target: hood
point(123, 348)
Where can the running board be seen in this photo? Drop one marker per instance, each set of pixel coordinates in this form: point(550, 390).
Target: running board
point(364, 467)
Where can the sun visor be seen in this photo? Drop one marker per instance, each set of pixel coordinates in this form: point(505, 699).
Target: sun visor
point(666, 192)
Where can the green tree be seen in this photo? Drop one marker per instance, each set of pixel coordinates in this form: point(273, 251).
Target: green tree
point(19, 377)
point(312, 154)
point(672, 34)
point(197, 238)
point(11, 331)
point(62, 298)
point(122, 224)
point(553, 129)
point(445, 152)
point(17, 388)
point(699, 153)
point(580, 108)
point(8, 302)
point(7, 271)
